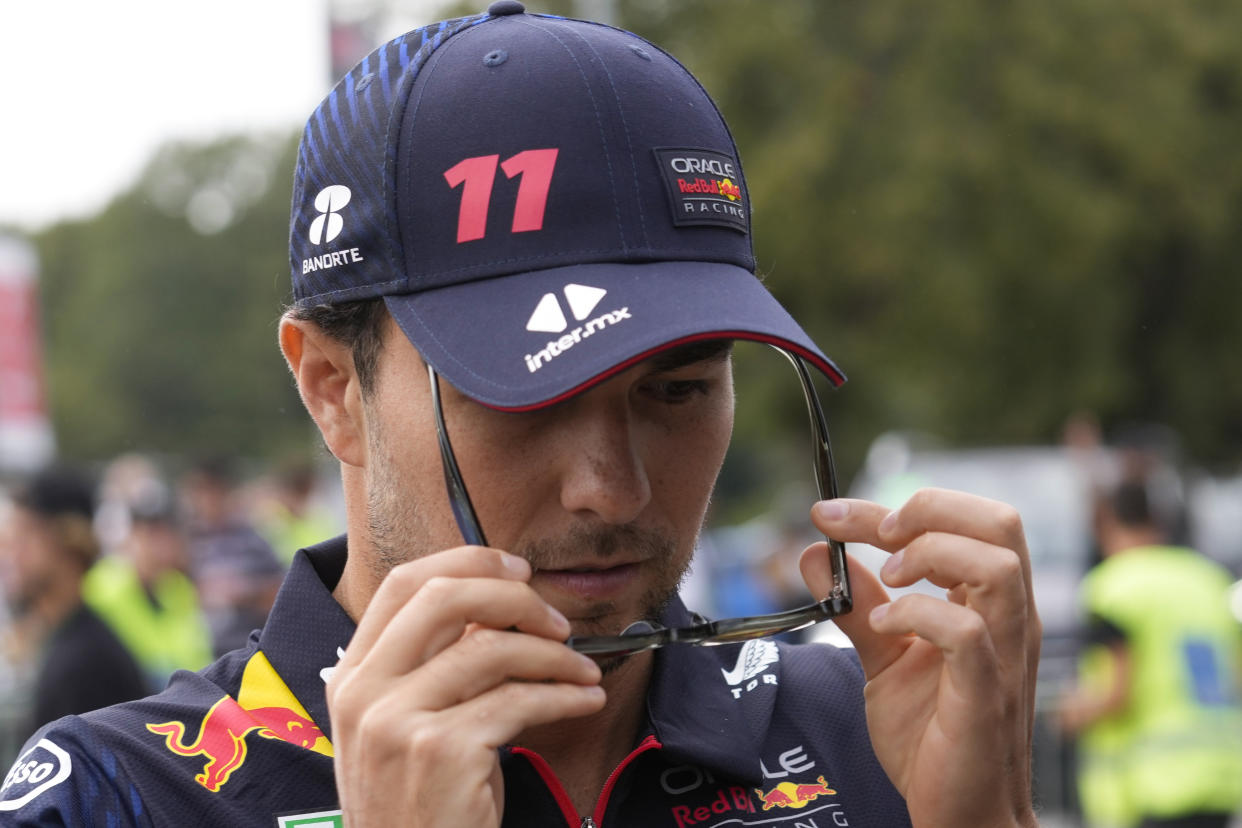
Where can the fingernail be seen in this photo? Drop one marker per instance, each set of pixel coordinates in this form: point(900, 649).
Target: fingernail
point(515, 564)
point(557, 618)
point(889, 522)
point(879, 612)
point(832, 509)
point(892, 565)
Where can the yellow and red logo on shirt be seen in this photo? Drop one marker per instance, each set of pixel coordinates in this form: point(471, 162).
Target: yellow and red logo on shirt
point(265, 705)
point(790, 795)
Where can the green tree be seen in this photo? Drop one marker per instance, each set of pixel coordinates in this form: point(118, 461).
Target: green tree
point(160, 312)
point(992, 215)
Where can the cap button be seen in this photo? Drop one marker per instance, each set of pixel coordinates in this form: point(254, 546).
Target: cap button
point(505, 7)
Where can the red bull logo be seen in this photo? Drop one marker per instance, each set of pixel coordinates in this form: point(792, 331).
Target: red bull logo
point(222, 737)
point(264, 705)
point(711, 186)
point(790, 795)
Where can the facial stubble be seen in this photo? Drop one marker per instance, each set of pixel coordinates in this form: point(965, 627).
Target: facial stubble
point(399, 534)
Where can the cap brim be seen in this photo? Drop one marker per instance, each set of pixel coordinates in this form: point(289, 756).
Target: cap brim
point(477, 336)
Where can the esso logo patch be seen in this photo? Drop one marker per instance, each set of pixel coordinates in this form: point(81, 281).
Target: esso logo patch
point(42, 767)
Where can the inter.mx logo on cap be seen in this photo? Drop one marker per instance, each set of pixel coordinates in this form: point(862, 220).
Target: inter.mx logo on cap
point(549, 317)
point(327, 226)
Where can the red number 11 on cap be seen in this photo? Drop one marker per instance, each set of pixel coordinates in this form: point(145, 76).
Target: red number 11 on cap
point(478, 174)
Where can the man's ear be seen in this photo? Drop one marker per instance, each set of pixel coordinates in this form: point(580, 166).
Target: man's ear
point(324, 370)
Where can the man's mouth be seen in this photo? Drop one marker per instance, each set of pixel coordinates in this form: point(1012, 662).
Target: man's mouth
point(592, 581)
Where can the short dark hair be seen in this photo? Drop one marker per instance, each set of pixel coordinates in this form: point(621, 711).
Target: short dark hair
point(360, 325)
point(58, 491)
point(1131, 505)
point(63, 498)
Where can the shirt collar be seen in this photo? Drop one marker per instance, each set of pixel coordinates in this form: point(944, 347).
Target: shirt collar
point(699, 706)
point(307, 630)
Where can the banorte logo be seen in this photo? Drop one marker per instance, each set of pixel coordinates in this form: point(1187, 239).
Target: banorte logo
point(328, 224)
point(791, 795)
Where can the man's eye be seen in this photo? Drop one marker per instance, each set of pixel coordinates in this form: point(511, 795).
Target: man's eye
point(676, 391)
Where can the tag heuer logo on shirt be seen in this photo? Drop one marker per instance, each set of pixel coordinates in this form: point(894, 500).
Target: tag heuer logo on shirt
point(319, 819)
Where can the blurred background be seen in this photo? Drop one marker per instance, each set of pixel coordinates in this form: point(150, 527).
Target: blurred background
point(1017, 227)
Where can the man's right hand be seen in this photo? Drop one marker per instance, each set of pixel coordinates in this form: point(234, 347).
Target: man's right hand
point(454, 657)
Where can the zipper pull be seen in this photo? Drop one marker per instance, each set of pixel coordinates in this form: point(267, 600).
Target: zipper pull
point(587, 822)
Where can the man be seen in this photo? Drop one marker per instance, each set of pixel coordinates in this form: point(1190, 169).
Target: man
point(143, 594)
point(82, 665)
point(551, 215)
point(1157, 707)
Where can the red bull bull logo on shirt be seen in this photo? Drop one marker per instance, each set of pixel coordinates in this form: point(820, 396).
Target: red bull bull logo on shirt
point(791, 795)
point(264, 705)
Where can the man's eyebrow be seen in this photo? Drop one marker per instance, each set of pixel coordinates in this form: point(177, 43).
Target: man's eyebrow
point(683, 355)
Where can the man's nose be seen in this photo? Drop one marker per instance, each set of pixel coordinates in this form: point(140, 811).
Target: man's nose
point(604, 471)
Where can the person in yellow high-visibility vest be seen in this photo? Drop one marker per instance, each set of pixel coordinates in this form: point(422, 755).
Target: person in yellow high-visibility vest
point(142, 593)
point(1157, 707)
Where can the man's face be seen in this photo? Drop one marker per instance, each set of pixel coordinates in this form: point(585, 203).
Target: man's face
point(32, 560)
point(604, 493)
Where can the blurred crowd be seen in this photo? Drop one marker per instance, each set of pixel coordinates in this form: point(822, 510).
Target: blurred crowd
point(113, 581)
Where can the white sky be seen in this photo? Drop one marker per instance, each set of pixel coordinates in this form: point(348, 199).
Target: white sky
point(92, 88)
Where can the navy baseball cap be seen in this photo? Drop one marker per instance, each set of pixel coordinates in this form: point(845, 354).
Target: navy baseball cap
point(541, 202)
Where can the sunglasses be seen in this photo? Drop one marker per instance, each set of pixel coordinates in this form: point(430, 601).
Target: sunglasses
point(645, 635)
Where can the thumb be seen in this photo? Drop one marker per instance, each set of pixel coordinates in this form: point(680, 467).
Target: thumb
point(875, 650)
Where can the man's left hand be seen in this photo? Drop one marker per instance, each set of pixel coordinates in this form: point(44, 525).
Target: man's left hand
point(950, 683)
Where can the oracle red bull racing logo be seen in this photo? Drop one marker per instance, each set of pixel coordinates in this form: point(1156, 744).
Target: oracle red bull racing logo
point(704, 187)
point(791, 795)
point(222, 737)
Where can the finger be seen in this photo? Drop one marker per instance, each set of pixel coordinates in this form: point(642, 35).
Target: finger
point(442, 609)
point(851, 521)
point(875, 650)
point(405, 580)
point(987, 520)
point(958, 632)
point(487, 658)
point(990, 578)
point(958, 513)
point(500, 715)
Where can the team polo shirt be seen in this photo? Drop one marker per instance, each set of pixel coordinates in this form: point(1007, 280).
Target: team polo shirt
point(754, 734)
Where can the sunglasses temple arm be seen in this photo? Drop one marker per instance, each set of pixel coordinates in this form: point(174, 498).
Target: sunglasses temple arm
point(825, 479)
point(459, 498)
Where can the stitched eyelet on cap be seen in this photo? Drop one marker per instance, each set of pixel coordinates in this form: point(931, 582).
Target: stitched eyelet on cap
point(504, 7)
point(495, 57)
